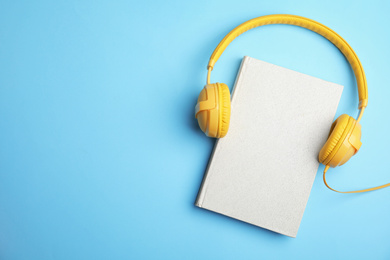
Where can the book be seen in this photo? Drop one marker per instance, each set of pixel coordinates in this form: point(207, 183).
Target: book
point(263, 170)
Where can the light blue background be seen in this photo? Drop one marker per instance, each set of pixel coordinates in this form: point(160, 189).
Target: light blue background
point(101, 157)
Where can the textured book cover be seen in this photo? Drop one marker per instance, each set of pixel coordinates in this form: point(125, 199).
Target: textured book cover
point(263, 170)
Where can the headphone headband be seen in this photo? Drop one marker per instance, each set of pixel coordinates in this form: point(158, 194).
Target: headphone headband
point(309, 24)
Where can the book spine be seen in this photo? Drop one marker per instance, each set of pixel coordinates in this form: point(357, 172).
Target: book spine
point(203, 187)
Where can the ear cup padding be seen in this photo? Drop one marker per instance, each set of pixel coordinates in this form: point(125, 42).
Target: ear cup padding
point(337, 130)
point(224, 109)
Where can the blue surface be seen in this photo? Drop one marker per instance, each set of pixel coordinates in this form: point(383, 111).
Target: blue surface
point(101, 157)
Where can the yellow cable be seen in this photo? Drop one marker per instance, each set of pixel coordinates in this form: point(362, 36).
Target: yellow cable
point(356, 191)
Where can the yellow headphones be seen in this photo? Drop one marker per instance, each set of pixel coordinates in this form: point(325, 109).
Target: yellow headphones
point(213, 107)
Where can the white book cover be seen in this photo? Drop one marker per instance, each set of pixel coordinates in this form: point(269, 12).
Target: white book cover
point(262, 172)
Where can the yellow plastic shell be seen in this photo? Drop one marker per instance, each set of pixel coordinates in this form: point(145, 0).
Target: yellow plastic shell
point(213, 110)
point(343, 142)
point(213, 107)
point(312, 25)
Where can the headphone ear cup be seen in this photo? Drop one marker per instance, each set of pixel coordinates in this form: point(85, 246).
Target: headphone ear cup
point(213, 110)
point(343, 142)
point(336, 131)
point(224, 109)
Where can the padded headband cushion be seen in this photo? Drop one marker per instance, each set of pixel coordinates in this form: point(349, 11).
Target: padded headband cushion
point(337, 130)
